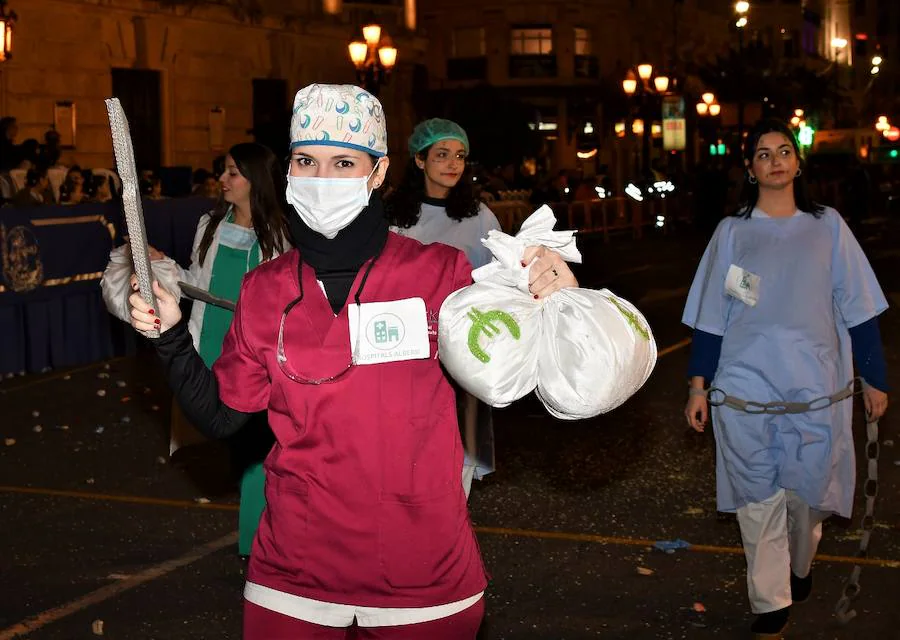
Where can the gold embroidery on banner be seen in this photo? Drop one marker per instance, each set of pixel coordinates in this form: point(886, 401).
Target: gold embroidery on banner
point(52, 222)
point(22, 267)
point(21, 263)
point(81, 277)
point(54, 282)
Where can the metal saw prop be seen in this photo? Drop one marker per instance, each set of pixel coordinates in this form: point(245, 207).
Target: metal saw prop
point(131, 203)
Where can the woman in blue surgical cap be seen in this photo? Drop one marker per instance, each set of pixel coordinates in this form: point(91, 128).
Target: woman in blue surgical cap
point(366, 532)
point(782, 304)
point(436, 203)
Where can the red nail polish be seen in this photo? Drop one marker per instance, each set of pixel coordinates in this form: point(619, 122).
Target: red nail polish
point(157, 321)
point(535, 296)
point(523, 264)
point(151, 312)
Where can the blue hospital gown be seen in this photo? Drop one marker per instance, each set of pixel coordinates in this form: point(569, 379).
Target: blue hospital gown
point(792, 346)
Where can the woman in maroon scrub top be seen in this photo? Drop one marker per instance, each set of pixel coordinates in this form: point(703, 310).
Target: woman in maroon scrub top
point(366, 523)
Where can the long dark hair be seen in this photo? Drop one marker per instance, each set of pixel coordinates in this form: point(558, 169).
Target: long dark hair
point(267, 205)
point(750, 190)
point(404, 204)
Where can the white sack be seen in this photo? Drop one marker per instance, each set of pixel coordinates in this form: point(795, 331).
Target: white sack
point(488, 337)
point(596, 351)
point(481, 352)
point(586, 351)
point(115, 283)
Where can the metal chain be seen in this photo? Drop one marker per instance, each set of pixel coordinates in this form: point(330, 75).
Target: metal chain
point(852, 588)
point(716, 397)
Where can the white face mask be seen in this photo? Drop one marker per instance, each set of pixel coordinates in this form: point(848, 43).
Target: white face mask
point(328, 205)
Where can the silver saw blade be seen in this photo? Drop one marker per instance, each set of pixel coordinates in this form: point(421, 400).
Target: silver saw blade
point(131, 203)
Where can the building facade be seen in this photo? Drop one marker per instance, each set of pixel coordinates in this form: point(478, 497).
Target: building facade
point(873, 36)
point(568, 58)
point(195, 76)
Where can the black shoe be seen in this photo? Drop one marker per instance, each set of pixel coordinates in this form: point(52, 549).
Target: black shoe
point(801, 587)
point(771, 624)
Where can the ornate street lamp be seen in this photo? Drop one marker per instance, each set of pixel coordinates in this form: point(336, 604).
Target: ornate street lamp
point(642, 89)
point(7, 20)
point(708, 105)
point(707, 109)
point(374, 57)
point(741, 9)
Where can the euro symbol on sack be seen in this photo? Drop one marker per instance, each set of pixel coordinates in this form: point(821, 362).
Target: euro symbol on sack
point(484, 323)
point(632, 319)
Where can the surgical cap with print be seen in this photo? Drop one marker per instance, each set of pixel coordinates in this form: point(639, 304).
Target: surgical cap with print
point(435, 130)
point(340, 115)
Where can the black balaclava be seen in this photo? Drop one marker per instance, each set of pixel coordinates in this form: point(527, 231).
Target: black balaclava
point(337, 261)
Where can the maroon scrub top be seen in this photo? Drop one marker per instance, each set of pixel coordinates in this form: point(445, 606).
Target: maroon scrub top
point(365, 504)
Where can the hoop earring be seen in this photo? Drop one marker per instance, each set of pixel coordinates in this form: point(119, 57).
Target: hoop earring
point(799, 173)
point(751, 179)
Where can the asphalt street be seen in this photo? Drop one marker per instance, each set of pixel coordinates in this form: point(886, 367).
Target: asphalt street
point(102, 533)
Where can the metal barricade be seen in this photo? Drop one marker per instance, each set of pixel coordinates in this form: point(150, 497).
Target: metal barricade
point(607, 216)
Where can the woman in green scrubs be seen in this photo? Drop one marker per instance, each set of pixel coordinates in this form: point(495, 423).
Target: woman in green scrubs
point(248, 226)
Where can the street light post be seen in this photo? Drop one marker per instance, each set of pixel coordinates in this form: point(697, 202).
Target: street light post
point(641, 88)
point(839, 45)
point(741, 9)
point(708, 107)
point(374, 58)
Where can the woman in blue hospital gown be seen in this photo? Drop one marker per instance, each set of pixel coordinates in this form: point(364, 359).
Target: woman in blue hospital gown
point(782, 303)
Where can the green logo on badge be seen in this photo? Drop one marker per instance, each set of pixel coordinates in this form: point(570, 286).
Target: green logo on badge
point(632, 319)
point(385, 331)
point(484, 323)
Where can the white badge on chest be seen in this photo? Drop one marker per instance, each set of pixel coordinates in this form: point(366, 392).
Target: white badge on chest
point(389, 331)
point(743, 285)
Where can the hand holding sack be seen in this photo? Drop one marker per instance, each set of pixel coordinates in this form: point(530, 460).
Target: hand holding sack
point(488, 332)
point(116, 286)
point(585, 351)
